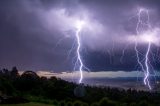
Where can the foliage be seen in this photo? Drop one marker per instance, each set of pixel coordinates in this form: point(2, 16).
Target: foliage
point(77, 103)
point(27, 104)
point(95, 104)
point(59, 92)
point(69, 104)
point(106, 102)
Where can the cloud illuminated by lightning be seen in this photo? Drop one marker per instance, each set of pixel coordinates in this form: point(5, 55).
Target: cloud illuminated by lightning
point(93, 27)
point(147, 37)
point(75, 24)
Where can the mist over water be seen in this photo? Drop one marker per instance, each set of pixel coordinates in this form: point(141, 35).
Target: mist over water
point(119, 79)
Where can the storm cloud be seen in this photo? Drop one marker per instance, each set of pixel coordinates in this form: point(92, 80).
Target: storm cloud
point(38, 34)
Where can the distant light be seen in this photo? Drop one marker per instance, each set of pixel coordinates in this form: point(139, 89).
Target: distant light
point(79, 24)
point(148, 37)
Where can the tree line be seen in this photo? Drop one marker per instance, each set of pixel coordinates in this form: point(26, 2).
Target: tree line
point(59, 92)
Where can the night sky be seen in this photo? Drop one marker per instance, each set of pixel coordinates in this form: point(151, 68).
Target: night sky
point(39, 34)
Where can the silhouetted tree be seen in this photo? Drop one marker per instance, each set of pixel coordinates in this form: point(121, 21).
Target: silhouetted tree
point(14, 72)
point(30, 85)
point(6, 86)
point(29, 75)
point(28, 81)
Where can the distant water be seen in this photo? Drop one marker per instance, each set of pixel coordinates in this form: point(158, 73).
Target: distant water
point(119, 79)
point(121, 82)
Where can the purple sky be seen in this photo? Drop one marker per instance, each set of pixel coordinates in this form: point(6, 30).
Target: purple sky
point(38, 34)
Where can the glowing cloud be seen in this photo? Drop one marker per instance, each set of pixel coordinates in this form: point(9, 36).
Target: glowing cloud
point(146, 36)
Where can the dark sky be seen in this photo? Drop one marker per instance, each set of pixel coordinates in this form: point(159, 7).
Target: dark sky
point(38, 34)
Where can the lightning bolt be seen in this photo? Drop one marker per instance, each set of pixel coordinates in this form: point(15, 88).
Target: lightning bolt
point(79, 62)
point(144, 66)
point(78, 54)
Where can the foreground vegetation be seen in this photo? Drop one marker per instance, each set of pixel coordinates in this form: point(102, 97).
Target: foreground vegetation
point(27, 104)
point(58, 92)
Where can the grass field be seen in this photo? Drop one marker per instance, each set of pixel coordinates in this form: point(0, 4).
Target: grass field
point(26, 104)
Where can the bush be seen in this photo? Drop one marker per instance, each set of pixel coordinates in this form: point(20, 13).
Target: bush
point(123, 104)
point(85, 104)
point(6, 86)
point(133, 104)
point(77, 103)
point(62, 103)
point(143, 103)
point(39, 99)
point(55, 102)
point(106, 102)
point(94, 104)
point(69, 104)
